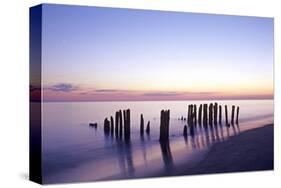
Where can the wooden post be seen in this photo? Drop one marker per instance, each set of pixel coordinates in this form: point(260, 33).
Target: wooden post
point(200, 115)
point(106, 126)
point(124, 120)
point(216, 114)
point(164, 125)
point(226, 115)
point(127, 126)
point(232, 114)
point(190, 114)
point(120, 123)
point(141, 125)
point(205, 114)
point(117, 116)
point(211, 114)
point(195, 115)
point(147, 130)
point(237, 115)
point(220, 114)
point(111, 125)
point(185, 131)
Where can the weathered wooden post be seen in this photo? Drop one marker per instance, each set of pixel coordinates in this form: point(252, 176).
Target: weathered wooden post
point(194, 115)
point(216, 114)
point(205, 114)
point(116, 123)
point(185, 131)
point(232, 115)
point(164, 125)
point(127, 126)
point(211, 114)
point(190, 113)
point(141, 125)
point(200, 115)
point(147, 130)
point(226, 115)
point(220, 114)
point(120, 123)
point(237, 115)
point(106, 126)
point(111, 125)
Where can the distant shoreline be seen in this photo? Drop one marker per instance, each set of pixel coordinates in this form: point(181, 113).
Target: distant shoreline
point(158, 100)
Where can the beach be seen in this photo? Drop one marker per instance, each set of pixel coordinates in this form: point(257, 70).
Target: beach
point(251, 150)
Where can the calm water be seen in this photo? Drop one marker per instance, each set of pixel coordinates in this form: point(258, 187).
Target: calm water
point(73, 151)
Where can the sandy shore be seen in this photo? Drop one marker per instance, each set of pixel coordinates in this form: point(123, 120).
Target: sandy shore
point(249, 151)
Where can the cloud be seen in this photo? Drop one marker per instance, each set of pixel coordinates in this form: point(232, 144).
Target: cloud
point(174, 93)
point(162, 94)
point(63, 87)
point(109, 90)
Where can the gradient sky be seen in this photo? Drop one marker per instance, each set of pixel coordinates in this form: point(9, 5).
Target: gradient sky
point(107, 54)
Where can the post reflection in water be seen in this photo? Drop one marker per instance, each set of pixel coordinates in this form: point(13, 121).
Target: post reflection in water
point(203, 137)
point(125, 158)
point(167, 156)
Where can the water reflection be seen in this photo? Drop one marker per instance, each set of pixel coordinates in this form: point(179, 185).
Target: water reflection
point(166, 156)
point(125, 159)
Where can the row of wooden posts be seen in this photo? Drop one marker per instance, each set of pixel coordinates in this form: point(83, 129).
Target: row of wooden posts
point(121, 122)
point(207, 115)
point(214, 116)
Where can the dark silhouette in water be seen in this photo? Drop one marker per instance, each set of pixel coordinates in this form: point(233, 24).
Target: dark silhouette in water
point(94, 125)
point(111, 125)
point(147, 130)
point(237, 115)
point(106, 126)
point(226, 116)
point(211, 115)
point(232, 115)
point(127, 125)
point(120, 124)
point(220, 114)
point(212, 118)
point(164, 125)
point(200, 116)
point(194, 115)
point(141, 125)
point(205, 114)
point(216, 114)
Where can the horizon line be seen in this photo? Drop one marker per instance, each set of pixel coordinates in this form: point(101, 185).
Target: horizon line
point(49, 101)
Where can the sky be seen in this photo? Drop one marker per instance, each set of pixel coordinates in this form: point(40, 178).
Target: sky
point(109, 54)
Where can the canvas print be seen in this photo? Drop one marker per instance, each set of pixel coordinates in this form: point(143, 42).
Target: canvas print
point(124, 93)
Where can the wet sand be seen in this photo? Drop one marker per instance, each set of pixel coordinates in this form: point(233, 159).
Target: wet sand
point(251, 150)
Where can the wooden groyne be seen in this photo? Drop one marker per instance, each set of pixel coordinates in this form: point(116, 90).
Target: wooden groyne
point(206, 116)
